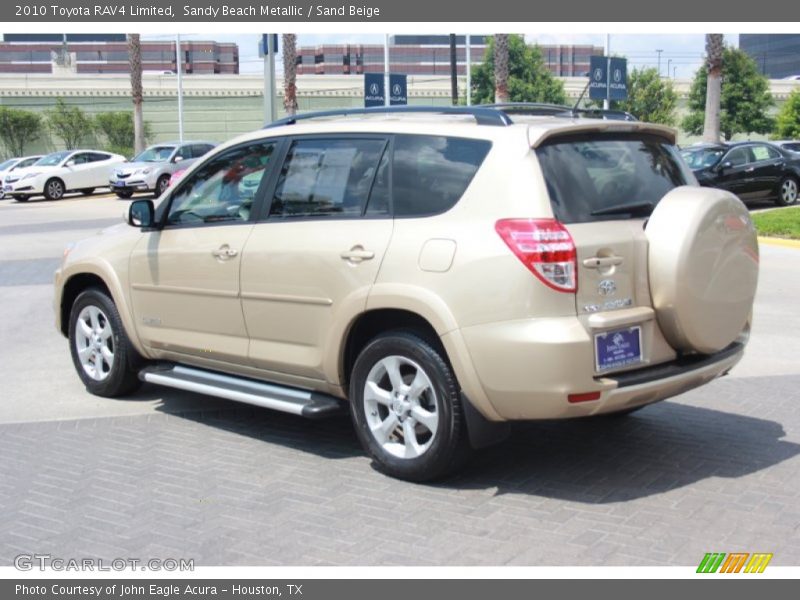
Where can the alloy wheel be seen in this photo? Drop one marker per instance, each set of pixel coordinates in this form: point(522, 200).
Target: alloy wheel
point(94, 341)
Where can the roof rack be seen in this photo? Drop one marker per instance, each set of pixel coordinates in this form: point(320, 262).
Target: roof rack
point(558, 110)
point(482, 115)
point(529, 108)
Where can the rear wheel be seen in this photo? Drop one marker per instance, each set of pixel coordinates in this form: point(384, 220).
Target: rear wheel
point(54, 189)
point(787, 192)
point(103, 356)
point(125, 194)
point(87, 191)
point(406, 408)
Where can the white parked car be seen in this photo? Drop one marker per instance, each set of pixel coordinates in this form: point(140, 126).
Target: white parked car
point(60, 172)
point(13, 164)
point(790, 145)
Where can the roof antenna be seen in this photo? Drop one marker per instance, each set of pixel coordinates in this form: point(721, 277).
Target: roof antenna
point(574, 110)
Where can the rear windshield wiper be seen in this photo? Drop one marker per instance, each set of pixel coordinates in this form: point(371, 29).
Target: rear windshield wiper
point(644, 208)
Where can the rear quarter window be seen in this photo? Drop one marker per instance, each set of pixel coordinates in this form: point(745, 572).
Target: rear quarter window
point(590, 174)
point(431, 173)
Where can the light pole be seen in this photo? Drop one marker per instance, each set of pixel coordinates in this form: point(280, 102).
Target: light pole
point(659, 61)
point(606, 102)
point(179, 65)
point(669, 62)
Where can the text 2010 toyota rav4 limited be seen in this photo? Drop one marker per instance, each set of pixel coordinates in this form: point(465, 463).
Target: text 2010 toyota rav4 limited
point(442, 273)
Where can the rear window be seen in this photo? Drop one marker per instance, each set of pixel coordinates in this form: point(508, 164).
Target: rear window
point(613, 176)
point(430, 173)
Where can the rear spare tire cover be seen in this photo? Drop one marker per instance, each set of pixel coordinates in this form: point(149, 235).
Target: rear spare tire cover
point(703, 267)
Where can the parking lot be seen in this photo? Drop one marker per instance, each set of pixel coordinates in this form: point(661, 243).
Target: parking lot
point(170, 474)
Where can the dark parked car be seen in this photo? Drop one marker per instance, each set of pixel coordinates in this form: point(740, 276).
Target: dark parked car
point(751, 170)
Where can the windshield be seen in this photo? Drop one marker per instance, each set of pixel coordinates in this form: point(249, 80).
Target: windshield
point(610, 176)
point(155, 154)
point(702, 158)
point(7, 164)
point(53, 159)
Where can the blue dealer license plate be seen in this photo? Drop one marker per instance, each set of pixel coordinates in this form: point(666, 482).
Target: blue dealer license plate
point(618, 348)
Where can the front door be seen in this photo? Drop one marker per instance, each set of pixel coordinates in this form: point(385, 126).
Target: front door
point(185, 276)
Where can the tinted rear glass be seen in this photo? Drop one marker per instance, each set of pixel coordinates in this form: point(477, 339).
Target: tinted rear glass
point(430, 173)
point(591, 174)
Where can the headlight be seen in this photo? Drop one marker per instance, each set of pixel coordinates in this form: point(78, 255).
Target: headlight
point(31, 175)
point(144, 171)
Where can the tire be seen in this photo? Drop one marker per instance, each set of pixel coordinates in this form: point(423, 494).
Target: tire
point(439, 447)
point(21, 198)
point(87, 191)
point(787, 192)
point(124, 194)
point(102, 354)
point(54, 189)
point(702, 267)
point(161, 185)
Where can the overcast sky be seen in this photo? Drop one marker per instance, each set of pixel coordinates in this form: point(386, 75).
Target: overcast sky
point(682, 54)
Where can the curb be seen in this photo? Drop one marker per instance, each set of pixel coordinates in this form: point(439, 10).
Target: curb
point(773, 241)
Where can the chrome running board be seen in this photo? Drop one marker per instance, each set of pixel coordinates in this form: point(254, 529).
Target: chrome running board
point(312, 405)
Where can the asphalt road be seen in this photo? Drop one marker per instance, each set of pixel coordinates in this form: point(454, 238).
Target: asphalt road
point(171, 474)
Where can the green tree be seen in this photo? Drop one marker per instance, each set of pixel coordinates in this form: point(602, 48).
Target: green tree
point(17, 128)
point(69, 123)
point(529, 79)
point(650, 98)
point(118, 129)
point(745, 97)
point(787, 125)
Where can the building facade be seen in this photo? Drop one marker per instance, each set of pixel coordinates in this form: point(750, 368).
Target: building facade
point(428, 55)
point(108, 53)
point(776, 54)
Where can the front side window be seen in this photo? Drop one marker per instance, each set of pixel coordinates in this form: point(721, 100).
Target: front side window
point(223, 189)
point(54, 159)
point(327, 177)
point(738, 157)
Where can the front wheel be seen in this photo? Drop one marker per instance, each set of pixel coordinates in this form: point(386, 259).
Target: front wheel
point(54, 189)
point(161, 185)
point(103, 356)
point(787, 192)
point(21, 198)
point(406, 408)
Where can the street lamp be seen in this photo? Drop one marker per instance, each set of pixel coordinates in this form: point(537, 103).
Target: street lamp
point(669, 62)
point(659, 61)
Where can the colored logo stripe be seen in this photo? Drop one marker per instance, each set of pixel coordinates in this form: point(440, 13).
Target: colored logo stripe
point(734, 563)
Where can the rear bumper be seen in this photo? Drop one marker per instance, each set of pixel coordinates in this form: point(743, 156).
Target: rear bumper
point(527, 370)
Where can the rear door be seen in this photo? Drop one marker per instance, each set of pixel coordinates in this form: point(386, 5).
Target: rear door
point(767, 171)
point(602, 188)
point(312, 259)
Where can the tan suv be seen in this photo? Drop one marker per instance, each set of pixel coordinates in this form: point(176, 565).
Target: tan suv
point(442, 271)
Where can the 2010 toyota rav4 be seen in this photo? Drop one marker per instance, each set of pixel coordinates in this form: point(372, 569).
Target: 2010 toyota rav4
point(441, 274)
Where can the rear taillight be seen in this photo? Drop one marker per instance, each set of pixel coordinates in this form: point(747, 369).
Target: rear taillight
point(545, 247)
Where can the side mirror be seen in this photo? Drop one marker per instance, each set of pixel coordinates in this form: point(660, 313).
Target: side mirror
point(70, 163)
point(141, 214)
point(177, 159)
point(726, 165)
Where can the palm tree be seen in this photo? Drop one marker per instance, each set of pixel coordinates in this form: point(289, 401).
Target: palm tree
point(290, 73)
point(501, 67)
point(135, 60)
point(714, 49)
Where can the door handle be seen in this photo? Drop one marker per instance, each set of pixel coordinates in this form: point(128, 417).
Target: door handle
point(750, 170)
point(599, 262)
point(356, 254)
point(224, 252)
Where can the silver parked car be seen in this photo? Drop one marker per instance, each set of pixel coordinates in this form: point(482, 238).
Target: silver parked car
point(152, 169)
